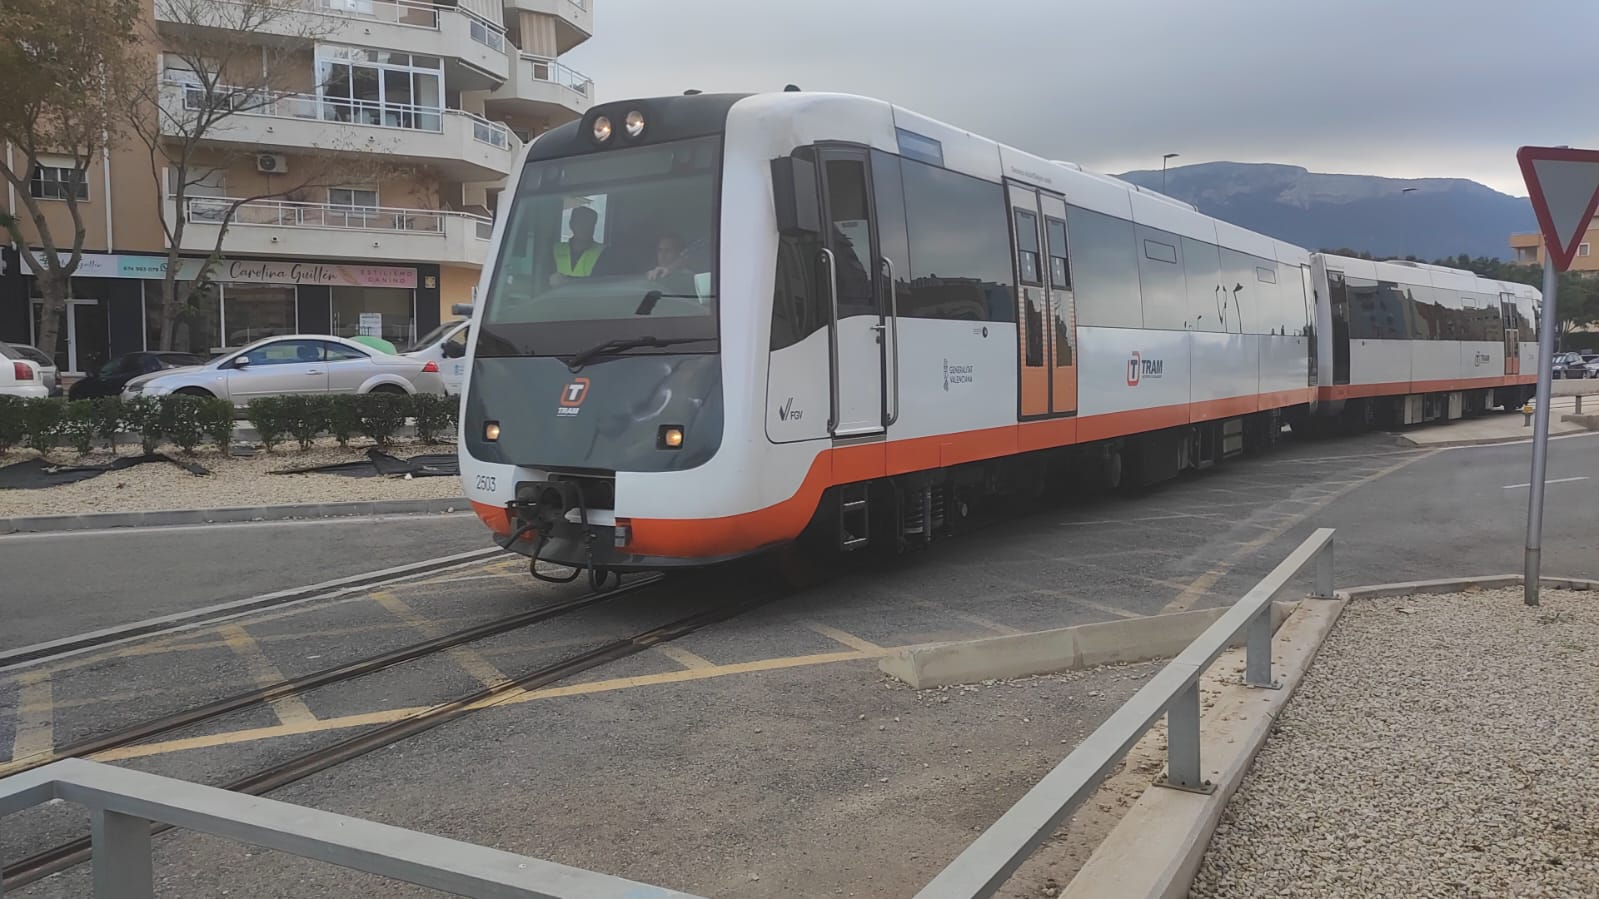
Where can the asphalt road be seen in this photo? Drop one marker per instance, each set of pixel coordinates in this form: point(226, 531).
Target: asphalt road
point(56, 585)
point(764, 756)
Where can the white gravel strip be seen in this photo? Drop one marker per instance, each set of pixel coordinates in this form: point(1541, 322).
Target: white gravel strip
point(1439, 746)
point(233, 482)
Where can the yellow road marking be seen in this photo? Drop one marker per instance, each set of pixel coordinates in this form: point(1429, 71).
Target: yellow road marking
point(512, 698)
point(35, 720)
point(844, 637)
point(1201, 585)
point(289, 709)
point(475, 665)
point(683, 657)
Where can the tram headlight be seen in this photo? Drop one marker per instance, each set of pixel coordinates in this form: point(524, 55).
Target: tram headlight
point(491, 431)
point(634, 123)
point(602, 129)
point(671, 437)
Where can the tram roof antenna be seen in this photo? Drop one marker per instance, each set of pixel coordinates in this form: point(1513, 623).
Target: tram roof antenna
point(790, 88)
point(692, 91)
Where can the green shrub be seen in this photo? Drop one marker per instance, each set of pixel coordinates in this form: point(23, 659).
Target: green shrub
point(216, 420)
point(142, 415)
point(382, 414)
point(305, 418)
point(180, 421)
point(434, 415)
point(80, 426)
point(13, 425)
point(44, 420)
point(270, 418)
point(344, 417)
point(109, 417)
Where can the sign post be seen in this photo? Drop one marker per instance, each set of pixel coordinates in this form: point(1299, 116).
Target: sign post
point(1563, 185)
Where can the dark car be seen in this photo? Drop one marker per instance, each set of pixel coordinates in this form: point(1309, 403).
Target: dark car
point(112, 376)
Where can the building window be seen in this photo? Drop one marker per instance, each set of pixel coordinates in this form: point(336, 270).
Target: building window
point(198, 328)
point(1582, 249)
point(386, 312)
point(373, 87)
point(57, 182)
point(253, 311)
point(1526, 254)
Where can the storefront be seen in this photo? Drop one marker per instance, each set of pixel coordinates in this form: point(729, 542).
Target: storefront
point(117, 305)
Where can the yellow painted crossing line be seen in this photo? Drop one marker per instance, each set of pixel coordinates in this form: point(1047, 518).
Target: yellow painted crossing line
point(683, 657)
point(289, 709)
point(474, 664)
point(844, 637)
point(35, 720)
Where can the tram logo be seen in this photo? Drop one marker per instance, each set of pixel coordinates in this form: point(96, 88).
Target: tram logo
point(787, 412)
point(1139, 369)
point(572, 396)
point(955, 373)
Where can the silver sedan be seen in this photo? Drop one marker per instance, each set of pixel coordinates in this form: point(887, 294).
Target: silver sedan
point(294, 364)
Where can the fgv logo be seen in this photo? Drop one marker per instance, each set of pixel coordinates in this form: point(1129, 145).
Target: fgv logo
point(787, 412)
point(1139, 368)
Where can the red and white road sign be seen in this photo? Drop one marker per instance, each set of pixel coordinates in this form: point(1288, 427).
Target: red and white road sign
point(1564, 186)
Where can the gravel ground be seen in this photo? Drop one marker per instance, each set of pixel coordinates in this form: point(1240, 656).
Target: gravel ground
point(1438, 746)
point(233, 481)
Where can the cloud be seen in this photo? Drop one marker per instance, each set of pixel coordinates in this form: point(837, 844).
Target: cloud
point(1403, 88)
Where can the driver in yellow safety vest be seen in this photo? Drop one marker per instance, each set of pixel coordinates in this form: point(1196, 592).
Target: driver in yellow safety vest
point(575, 258)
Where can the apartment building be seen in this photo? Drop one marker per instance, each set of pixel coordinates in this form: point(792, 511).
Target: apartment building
point(1528, 249)
point(438, 95)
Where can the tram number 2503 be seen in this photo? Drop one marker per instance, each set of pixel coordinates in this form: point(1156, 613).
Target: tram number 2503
point(485, 482)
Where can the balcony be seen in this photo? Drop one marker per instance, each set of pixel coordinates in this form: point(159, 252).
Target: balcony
point(574, 19)
point(460, 145)
point(276, 228)
point(473, 46)
point(543, 87)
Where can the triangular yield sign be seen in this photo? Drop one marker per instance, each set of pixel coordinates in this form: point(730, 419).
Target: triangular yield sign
point(1564, 188)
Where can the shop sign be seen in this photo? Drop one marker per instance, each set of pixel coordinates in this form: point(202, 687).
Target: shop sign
point(104, 265)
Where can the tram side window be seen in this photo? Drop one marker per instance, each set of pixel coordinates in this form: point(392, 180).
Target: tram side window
point(892, 240)
point(1431, 319)
point(1363, 309)
point(798, 304)
point(1160, 280)
point(1493, 318)
point(960, 252)
point(1391, 311)
point(1060, 269)
point(1202, 276)
point(1244, 302)
point(1105, 278)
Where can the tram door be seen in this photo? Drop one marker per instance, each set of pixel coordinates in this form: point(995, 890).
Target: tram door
point(858, 326)
point(1046, 306)
point(1507, 311)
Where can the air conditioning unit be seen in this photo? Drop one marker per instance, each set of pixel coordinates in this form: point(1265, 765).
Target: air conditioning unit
point(271, 163)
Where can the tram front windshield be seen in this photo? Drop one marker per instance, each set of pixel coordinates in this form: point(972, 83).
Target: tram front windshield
point(617, 245)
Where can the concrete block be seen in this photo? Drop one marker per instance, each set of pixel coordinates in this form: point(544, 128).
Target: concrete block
point(1060, 649)
point(1589, 421)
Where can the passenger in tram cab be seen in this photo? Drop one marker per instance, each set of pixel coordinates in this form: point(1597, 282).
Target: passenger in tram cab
point(575, 258)
point(670, 257)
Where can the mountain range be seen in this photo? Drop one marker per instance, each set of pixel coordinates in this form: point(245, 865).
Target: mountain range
point(1429, 218)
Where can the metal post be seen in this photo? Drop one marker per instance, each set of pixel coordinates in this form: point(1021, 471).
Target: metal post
point(1182, 742)
point(1324, 573)
point(1548, 321)
point(1257, 652)
point(122, 866)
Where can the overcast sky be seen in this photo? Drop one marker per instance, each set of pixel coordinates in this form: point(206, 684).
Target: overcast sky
point(1404, 88)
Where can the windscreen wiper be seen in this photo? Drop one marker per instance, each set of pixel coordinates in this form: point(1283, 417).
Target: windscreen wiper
point(618, 345)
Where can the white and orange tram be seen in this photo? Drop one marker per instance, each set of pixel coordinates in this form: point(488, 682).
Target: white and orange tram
point(713, 322)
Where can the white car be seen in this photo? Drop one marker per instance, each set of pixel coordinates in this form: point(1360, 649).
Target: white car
point(19, 377)
point(294, 364)
point(445, 346)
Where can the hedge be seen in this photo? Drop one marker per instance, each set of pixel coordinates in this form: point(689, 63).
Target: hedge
point(189, 421)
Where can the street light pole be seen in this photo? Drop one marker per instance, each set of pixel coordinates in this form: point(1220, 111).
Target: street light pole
point(1548, 321)
point(1163, 161)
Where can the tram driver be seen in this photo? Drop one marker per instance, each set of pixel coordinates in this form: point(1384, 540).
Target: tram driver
point(575, 258)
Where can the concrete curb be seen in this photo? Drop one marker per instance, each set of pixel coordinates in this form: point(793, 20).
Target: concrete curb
point(1060, 649)
point(174, 517)
point(77, 643)
point(1156, 848)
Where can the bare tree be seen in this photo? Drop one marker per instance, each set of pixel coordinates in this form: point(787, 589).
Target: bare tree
point(64, 65)
point(224, 61)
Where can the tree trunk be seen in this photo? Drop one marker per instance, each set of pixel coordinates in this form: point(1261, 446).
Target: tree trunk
point(169, 307)
point(54, 291)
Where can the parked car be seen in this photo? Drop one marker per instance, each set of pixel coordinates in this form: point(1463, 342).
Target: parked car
point(48, 372)
point(1575, 365)
point(445, 346)
point(20, 377)
point(294, 364)
point(110, 378)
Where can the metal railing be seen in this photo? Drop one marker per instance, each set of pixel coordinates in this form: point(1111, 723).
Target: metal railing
point(411, 13)
point(543, 68)
point(347, 110)
point(290, 213)
point(994, 856)
point(123, 804)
